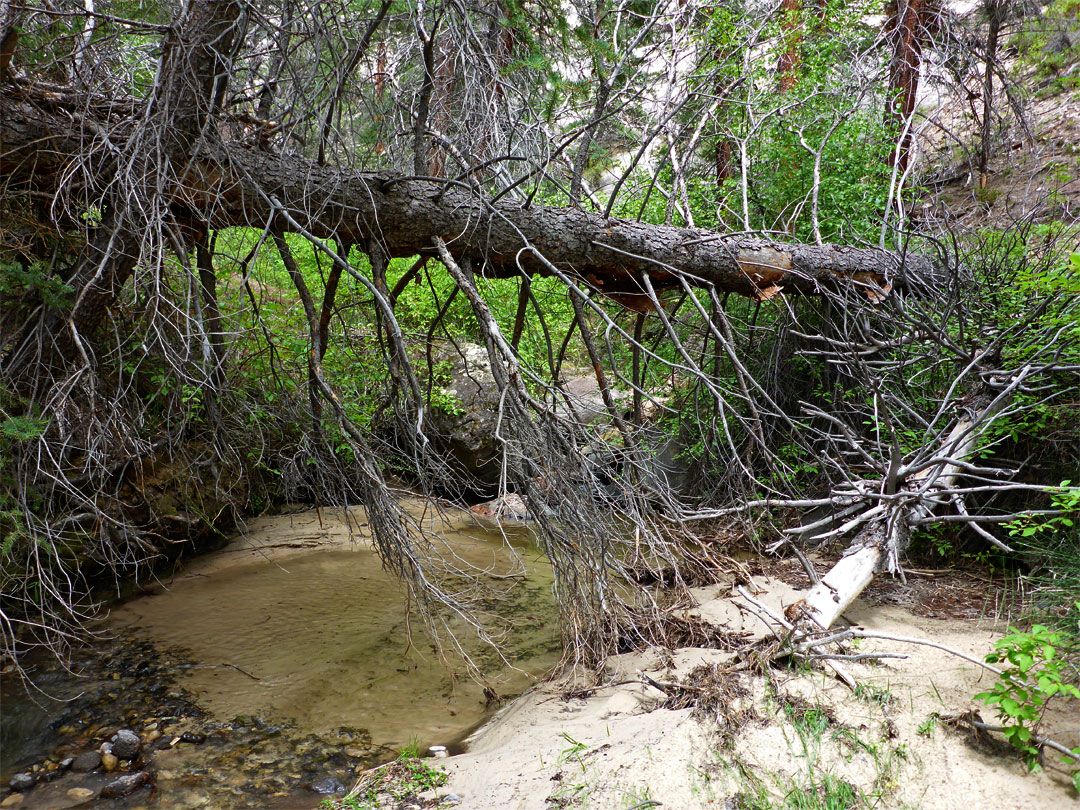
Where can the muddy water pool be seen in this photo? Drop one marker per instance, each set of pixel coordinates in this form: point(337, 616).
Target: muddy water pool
point(290, 659)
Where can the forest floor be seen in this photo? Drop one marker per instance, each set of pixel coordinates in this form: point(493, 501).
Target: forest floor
point(1033, 176)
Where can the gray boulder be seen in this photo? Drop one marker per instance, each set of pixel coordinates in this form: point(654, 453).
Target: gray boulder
point(86, 761)
point(462, 421)
point(126, 744)
point(123, 785)
point(22, 782)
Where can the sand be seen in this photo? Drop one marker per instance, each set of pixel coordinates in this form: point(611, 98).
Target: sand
point(801, 733)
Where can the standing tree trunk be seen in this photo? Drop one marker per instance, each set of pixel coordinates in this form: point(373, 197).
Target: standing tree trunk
point(791, 56)
point(906, 21)
point(995, 12)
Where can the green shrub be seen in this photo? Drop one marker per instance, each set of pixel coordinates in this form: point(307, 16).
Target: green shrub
point(1025, 687)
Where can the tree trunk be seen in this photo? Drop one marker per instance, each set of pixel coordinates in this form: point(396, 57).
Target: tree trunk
point(231, 185)
point(994, 11)
point(791, 56)
point(907, 20)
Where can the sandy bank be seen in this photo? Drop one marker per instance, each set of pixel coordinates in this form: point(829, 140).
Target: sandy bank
point(771, 740)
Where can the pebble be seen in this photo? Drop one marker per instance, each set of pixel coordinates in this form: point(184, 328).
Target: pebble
point(22, 781)
point(126, 744)
point(123, 785)
point(14, 800)
point(328, 785)
point(87, 761)
point(80, 794)
point(451, 798)
point(110, 761)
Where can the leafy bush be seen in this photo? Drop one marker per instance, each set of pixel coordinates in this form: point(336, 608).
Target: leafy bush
point(1027, 685)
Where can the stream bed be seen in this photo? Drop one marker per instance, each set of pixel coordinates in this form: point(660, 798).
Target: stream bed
point(271, 671)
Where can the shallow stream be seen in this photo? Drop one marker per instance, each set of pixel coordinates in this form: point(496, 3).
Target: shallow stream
point(291, 660)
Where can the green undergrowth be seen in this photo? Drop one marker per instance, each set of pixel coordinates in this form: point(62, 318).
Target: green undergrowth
point(388, 785)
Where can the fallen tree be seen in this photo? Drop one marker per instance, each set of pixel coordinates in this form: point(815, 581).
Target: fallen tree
point(57, 148)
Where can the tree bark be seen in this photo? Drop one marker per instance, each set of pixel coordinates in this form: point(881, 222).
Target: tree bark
point(908, 21)
point(232, 185)
point(995, 12)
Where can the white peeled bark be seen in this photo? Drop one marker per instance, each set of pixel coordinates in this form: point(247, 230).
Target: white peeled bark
point(842, 585)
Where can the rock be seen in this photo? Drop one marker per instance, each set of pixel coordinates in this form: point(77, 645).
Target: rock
point(506, 508)
point(583, 401)
point(109, 762)
point(451, 799)
point(463, 430)
point(126, 744)
point(81, 794)
point(67, 762)
point(151, 736)
point(22, 781)
point(14, 800)
point(87, 761)
point(193, 737)
point(105, 748)
point(123, 785)
point(328, 785)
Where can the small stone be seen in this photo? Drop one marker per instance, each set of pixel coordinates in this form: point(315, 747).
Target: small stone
point(451, 799)
point(80, 794)
point(126, 744)
point(109, 762)
point(193, 737)
point(105, 748)
point(67, 763)
point(328, 785)
point(22, 782)
point(150, 736)
point(123, 785)
point(87, 761)
point(14, 800)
